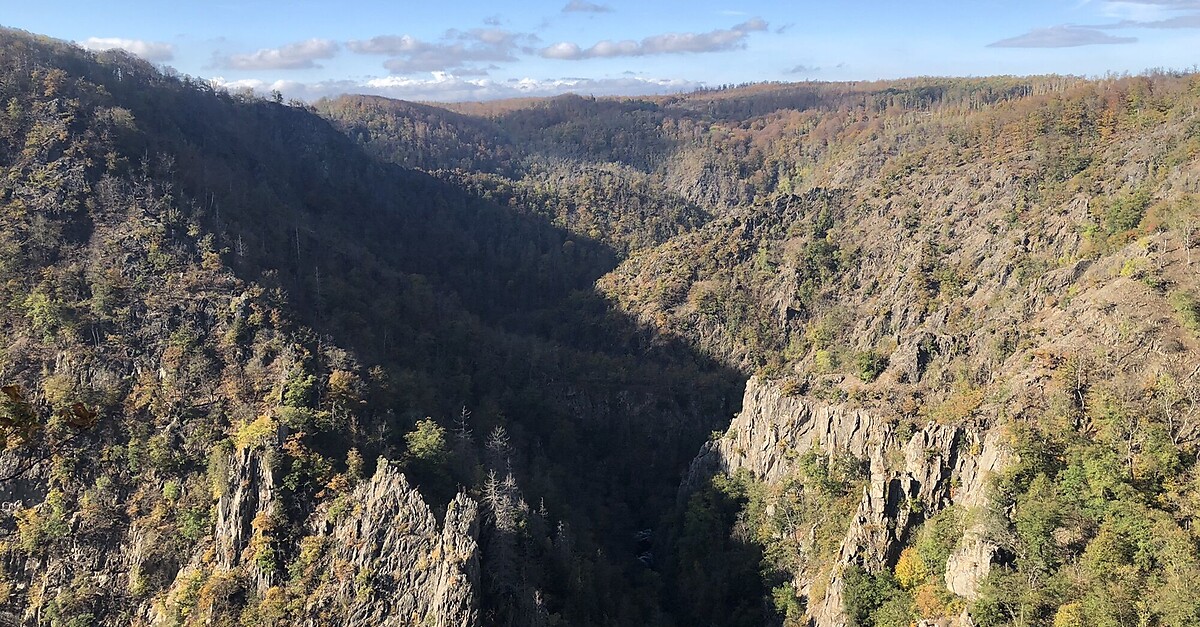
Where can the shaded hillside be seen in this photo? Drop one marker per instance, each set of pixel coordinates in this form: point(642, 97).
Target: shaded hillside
point(970, 307)
point(422, 136)
point(1001, 268)
point(223, 284)
point(529, 162)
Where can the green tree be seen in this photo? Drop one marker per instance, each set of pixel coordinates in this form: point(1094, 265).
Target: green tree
point(427, 443)
point(875, 600)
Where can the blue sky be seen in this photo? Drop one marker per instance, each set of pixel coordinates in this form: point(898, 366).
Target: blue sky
point(475, 50)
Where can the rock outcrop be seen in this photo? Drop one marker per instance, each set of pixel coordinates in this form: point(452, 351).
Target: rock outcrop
point(388, 563)
point(251, 491)
point(373, 557)
point(909, 481)
point(971, 562)
point(771, 424)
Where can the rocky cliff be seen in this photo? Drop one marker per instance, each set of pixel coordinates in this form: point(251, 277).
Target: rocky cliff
point(210, 301)
point(910, 480)
point(376, 556)
point(389, 563)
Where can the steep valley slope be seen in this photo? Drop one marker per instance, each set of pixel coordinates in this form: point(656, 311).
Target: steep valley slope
point(220, 313)
point(370, 362)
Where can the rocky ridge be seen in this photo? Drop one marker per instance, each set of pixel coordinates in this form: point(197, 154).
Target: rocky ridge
point(909, 480)
point(391, 563)
point(378, 554)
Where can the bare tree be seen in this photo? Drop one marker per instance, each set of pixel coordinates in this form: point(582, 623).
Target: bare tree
point(462, 430)
point(499, 451)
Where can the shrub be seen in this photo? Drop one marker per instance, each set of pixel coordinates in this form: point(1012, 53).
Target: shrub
point(875, 600)
point(911, 570)
point(45, 313)
point(354, 466)
point(1069, 615)
point(824, 361)
point(194, 523)
point(823, 332)
point(300, 389)
point(1126, 211)
point(161, 454)
point(1187, 308)
point(218, 468)
point(39, 526)
point(938, 538)
point(256, 433)
point(869, 365)
point(787, 604)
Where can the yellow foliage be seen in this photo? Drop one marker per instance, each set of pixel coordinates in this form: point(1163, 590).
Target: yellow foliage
point(143, 393)
point(339, 483)
point(343, 385)
point(211, 261)
point(216, 595)
point(911, 570)
point(264, 522)
point(824, 361)
point(59, 389)
point(255, 433)
point(1069, 615)
point(963, 401)
point(929, 603)
point(260, 549)
point(272, 610)
point(819, 587)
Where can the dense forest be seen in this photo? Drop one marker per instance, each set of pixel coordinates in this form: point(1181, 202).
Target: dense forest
point(234, 328)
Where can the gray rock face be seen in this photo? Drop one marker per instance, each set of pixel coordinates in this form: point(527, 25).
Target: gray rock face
point(970, 564)
point(251, 491)
point(389, 563)
point(772, 424)
point(378, 556)
point(936, 467)
point(894, 502)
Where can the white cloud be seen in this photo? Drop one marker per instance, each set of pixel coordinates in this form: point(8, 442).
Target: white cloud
point(155, 51)
point(669, 43)
point(447, 87)
point(457, 50)
point(583, 6)
point(298, 56)
point(1061, 37)
point(1131, 14)
point(1147, 10)
point(563, 50)
point(385, 44)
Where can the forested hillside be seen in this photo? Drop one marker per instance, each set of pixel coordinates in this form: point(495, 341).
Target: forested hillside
point(377, 362)
point(1010, 259)
point(204, 274)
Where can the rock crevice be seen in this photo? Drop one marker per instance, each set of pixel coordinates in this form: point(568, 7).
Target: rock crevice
point(910, 480)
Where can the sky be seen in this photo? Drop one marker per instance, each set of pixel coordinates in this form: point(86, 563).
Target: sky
point(483, 50)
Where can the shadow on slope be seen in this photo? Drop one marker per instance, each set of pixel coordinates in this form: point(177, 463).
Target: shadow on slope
point(457, 300)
